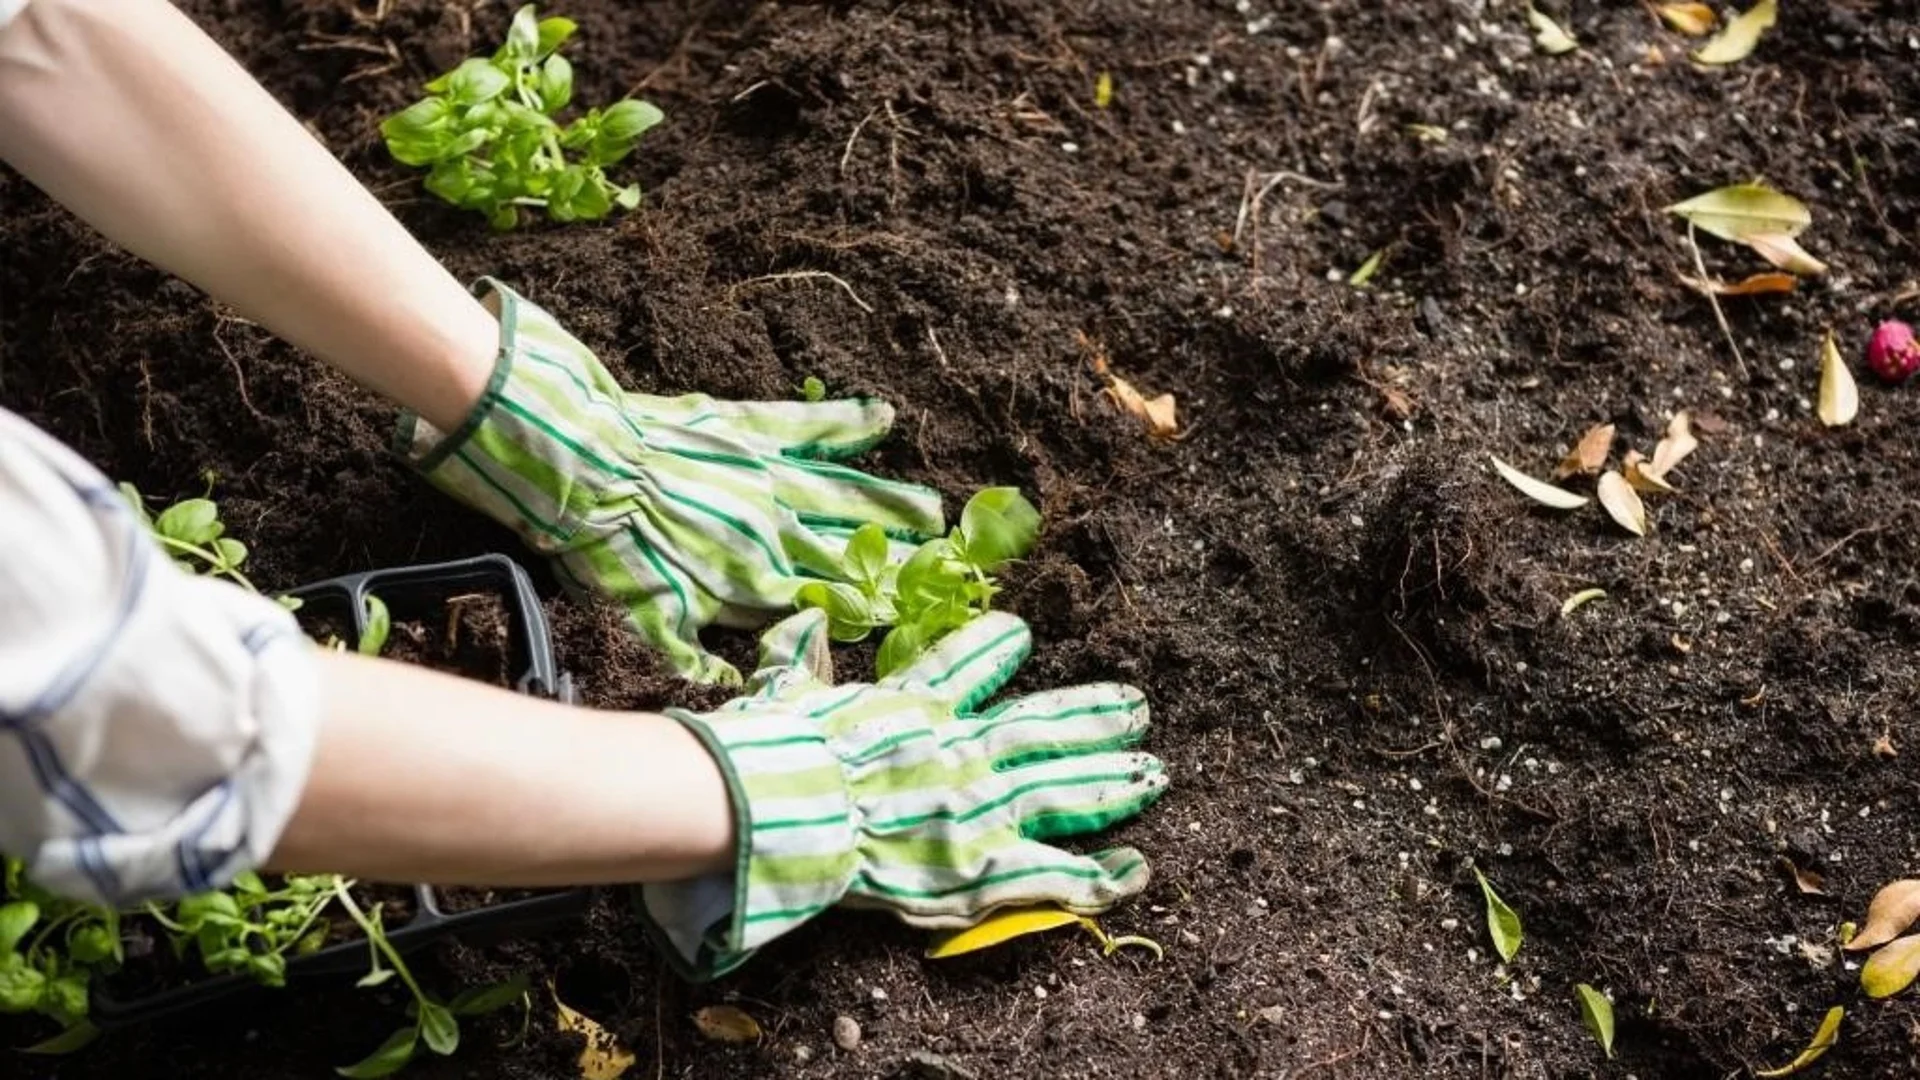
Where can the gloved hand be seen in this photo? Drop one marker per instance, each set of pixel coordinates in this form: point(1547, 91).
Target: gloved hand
point(901, 796)
point(686, 511)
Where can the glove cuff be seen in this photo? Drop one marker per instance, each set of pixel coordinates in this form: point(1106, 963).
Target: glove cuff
point(797, 857)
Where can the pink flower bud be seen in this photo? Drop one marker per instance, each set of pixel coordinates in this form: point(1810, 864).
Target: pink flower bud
point(1893, 354)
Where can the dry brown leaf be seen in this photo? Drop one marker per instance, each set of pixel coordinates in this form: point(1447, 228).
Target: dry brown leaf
point(1807, 881)
point(1694, 20)
point(1754, 285)
point(1894, 908)
point(1883, 747)
point(1589, 454)
point(1639, 474)
point(1839, 396)
point(1674, 448)
point(725, 1023)
point(1156, 414)
point(1538, 490)
point(1621, 502)
point(1396, 403)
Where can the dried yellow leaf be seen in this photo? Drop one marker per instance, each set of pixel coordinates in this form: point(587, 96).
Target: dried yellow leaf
point(1103, 90)
point(1737, 41)
point(1551, 36)
point(1809, 882)
point(1839, 397)
point(1753, 285)
point(1001, 927)
point(1640, 474)
point(1622, 503)
point(1589, 454)
point(1894, 908)
point(1694, 20)
point(1823, 1040)
point(1786, 253)
point(1893, 968)
point(604, 1057)
point(1674, 448)
point(1580, 599)
point(1158, 415)
point(725, 1023)
point(1538, 490)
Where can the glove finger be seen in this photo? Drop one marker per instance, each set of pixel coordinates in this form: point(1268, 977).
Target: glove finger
point(663, 607)
point(970, 664)
point(1024, 875)
point(797, 642)
point(1073, 795)
point(828, 430)
point(1083, 720)
point(821, 493)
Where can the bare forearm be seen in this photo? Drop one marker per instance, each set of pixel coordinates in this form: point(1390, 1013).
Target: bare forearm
point(130, 116)
point(421, 776)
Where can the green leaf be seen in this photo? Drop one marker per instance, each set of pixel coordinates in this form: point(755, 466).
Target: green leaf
point(1597, 1011)
point(866, 556)
point(1743, 211)
point(849, 616)
point(76, 1037)
point(998, 526)
point(475, 81)
point(232, 552)
point(66, 999)
point(523, 37)
point(1502, 923)
point(479, 1000)
point(438, 1028)
point(899, 648)
point(556, 83)
point(390, 1058)
point(16, 919)
point(625, 121)
point(812, 389)
point(374, 978)
point(627, 197)
point(267, 969)
point(191, 521)
point(22, 986)
point(554, 33)
point(424, 117)
point(90, 944)
point(379, 626)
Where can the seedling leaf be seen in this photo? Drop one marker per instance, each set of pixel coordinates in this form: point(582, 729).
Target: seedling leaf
point(379, 627)
point(1741, 212)
point(190, 521)
point(604, 1057)
point(1597, 1011)
point(73, 1039)
point(812, 389)
point(390, 1058)
point(16, 919)
point(1694, 20)
point(1503, 924)
point(1552, 37)
point(1622, 503)
point(480, 1000)
point(1823, 1040)
point(1580, 599)
point(438, 1028)
point(866, 556)
point(1001, 927)
point(1367, 269)
point(725, 1023)
point(1839, 396)
point(1589, 454)
point(849, 615)
point(1893, 910)
point(1737, 41)
point(1539, 490)
point(1893, 968)
point(999, 525)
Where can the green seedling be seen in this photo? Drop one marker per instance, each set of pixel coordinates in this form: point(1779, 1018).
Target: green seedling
point(50, 950)
point(488, 135)
point(250, 928)
point(812, 389)
point(379, 626)
point(946, 583)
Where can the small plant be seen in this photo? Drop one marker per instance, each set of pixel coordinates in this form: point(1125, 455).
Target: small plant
point(487, 133)
point(946, 583)
point(50, 950)
point(250, 928)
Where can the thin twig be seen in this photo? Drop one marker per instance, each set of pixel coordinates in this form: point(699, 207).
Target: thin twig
point(803, 275)
point(847, 155)
point(1252, 199)
point(1700, 267)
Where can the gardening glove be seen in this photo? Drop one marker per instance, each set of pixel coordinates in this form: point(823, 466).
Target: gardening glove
point(685, 511)
point(900, 795)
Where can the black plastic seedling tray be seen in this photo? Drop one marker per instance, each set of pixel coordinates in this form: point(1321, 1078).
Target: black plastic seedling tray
point(409, 592)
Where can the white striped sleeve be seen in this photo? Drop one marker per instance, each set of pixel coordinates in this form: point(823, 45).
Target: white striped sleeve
point(156, 727)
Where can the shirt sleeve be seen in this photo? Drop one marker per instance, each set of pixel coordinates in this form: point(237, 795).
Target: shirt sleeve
point(156, 727)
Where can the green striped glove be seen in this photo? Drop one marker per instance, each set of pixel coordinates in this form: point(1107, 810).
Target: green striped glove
point(900, 796)
point(685, 511)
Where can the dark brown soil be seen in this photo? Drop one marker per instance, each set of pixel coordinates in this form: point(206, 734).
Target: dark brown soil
point(1349, 629)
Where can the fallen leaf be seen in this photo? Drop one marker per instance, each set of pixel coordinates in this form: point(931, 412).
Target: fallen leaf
point(1103, 90)
point(1640, 474)
point(1737, 40)
point(725, 1023)
point(1893, 909)
point(1597, 1011)
point(1694, 20)
point(1823, 1040)
point(1816, 955)
point(1621, 503)
point(1503, 924)
point(1892, 969)
point(1883, 747)
point(1397, 403)
point(1741, 211)
point(1786, 253)
point(1589, 454)
point(1674, 448)
point(1552, 37)
point(1808, 882)
point(1753, 285)
point(1001, 927)
point(604, 1057)
point(1580, 599)
point(1839, 397)
point(1539, 490)
point(1157, 414)
point(1367, 269)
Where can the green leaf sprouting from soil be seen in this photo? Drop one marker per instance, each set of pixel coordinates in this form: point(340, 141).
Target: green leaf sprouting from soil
point(1503, 924)
point(1597, 1011)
